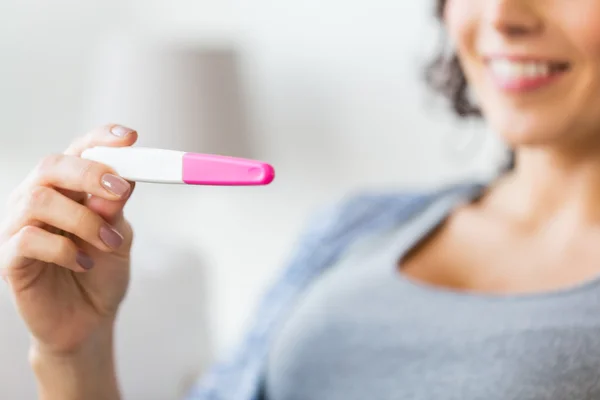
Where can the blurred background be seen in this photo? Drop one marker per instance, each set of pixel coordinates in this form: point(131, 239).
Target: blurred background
point(328, 91)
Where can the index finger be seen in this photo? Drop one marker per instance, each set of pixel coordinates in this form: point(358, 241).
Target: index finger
point(111, 135)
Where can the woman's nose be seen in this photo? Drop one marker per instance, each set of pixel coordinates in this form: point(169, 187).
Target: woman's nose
point(513, 17)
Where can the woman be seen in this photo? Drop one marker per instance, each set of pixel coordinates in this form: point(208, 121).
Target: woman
point(468, 292)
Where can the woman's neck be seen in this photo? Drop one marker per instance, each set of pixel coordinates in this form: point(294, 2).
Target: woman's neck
point(546, 185)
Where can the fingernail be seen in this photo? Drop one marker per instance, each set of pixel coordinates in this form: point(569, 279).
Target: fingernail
point(120, 131)
point(115, 184)
point(84, 260)
point(111, 237)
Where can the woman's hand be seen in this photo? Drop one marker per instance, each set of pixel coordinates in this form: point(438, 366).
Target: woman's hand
point(65, 251)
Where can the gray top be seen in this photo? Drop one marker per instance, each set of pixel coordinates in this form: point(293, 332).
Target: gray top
point(363, 331)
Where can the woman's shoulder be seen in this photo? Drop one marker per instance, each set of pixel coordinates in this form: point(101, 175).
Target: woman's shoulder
point(371, 209)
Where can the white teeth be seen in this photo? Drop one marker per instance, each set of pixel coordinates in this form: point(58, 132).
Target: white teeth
point(519, 70)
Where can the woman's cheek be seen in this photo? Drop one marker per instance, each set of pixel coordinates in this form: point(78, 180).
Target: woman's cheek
point(585, 34)
point(461, 20)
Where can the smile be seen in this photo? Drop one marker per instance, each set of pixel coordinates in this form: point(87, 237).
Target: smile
point(525, 76)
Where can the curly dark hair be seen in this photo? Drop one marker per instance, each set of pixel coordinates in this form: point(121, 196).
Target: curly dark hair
point(445, 75)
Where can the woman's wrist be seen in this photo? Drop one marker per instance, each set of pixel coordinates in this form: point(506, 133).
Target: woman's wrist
point(87, 372)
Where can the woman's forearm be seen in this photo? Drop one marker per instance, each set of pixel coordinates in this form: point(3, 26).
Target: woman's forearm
point(89, 373)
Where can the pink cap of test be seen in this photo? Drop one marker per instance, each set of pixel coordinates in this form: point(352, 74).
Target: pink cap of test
point(208, 169)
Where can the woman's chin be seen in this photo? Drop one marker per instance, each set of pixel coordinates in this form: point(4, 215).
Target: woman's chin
point(528, 139)
point(530, 132)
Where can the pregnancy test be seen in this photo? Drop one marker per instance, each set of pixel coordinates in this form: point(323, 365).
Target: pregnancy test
point(142, 164)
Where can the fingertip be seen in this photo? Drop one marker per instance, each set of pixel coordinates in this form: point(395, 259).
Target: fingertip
point(121, 131)
point(84, 261)
point(121, 135)
point(114, 135)
point(115, 185)
point(112, 238)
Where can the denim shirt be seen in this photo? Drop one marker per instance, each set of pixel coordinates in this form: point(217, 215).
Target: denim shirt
point(331, 232)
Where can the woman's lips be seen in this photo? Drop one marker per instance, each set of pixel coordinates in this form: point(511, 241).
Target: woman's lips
point(518, 75)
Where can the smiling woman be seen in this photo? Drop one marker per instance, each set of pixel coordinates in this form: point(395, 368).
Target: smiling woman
point(496, 277)
point(533, 66)
point(471, 291)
